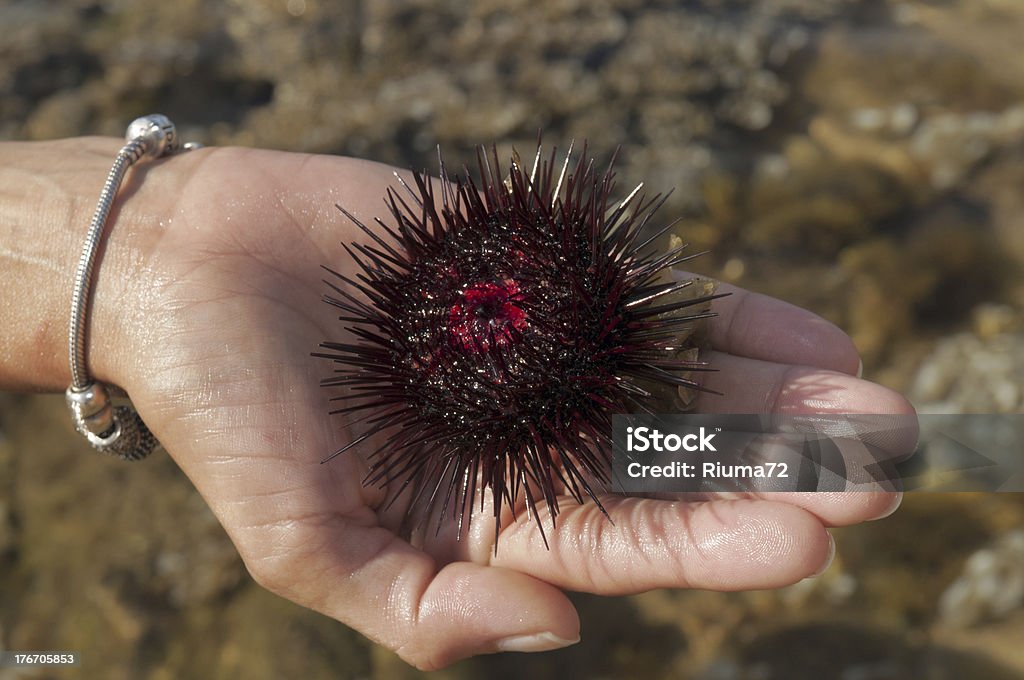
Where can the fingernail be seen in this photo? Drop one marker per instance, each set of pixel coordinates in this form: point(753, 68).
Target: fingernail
point(860, 368)
point(828, 560)
point(896, 501)
point(538, 642)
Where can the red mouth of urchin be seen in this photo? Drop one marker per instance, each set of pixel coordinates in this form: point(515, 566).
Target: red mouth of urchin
point(487, 314)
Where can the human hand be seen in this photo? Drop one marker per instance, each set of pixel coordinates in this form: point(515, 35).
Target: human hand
point(220, 310)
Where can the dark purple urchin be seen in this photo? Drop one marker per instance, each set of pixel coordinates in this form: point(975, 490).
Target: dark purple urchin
point(497, 333)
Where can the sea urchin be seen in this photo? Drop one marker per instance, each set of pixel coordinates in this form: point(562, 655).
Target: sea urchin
point(494, 332)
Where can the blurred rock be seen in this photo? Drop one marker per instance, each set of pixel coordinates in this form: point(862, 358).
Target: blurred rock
point(990, 320)
point(971, 374)
point(991, 585)
point(950, 145)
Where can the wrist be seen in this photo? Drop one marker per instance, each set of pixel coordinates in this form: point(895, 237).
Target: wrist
point(52, 190)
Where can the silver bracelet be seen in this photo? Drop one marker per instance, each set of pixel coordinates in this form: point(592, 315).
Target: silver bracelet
point(116, 430)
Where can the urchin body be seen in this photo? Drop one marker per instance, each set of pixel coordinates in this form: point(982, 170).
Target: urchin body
point(499, 328)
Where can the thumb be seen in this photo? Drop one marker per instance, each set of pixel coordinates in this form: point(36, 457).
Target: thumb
point(469, 609)
point(395, 594)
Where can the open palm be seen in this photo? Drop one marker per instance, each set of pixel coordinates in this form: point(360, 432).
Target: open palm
point(222, 374)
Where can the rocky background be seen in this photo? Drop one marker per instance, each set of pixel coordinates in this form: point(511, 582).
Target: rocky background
point(863, 158)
